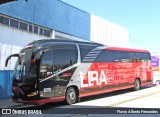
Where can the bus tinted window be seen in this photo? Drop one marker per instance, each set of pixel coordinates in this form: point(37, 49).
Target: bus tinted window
point(138, 56)
point(122, 56)
point(63, 58)
point(46, 65)
point(53, 61)
point(85, 49)
point(108, 56)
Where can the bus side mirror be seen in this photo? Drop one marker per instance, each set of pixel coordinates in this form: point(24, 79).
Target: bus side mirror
point(8, 58)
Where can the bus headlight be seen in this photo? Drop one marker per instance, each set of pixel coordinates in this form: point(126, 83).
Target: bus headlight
point(32, 94)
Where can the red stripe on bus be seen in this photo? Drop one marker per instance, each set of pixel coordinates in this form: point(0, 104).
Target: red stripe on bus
point(104, 91)
point(85, 94)
point(145, 83)
point(126, 49)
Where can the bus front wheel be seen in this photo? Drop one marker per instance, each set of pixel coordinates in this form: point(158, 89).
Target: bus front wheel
point(71, 97)
point(137, 85)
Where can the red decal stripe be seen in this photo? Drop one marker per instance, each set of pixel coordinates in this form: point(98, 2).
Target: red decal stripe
point(110, 90)
point(104, 91)
point(126, 49)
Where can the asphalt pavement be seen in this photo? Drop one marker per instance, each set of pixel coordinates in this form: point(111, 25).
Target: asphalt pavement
point(6, 103)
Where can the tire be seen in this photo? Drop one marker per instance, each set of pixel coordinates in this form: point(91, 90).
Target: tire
point(137, 85)
point(71, 96)
point(157, 82)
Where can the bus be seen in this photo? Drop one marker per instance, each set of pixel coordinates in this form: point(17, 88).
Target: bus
point(53, 70)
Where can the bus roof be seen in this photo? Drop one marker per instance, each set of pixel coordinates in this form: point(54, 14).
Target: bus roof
point(64, 40)
point(39, 42)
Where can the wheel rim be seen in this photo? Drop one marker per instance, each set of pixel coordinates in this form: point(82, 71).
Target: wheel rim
point(71, 95)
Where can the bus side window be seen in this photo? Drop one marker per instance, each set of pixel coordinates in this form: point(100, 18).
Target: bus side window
point(56, 60)
point(108, 56)
point(124, 56)
point(84, 50)
point(46, 68)
point(63, 58)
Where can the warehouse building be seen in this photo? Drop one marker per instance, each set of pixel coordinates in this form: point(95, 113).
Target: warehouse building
point(24, 21)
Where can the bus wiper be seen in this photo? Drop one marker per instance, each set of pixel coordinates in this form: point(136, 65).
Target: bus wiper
point(13, 55)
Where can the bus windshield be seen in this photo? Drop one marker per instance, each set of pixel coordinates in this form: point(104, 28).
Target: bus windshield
point(24, 68)
point(19, 71)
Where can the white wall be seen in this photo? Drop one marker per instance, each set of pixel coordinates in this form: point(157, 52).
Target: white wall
point(12, 40)
point(108, 33)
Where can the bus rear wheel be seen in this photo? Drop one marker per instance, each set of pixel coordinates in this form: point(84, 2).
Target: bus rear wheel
point(71, 96)
point(137, 85)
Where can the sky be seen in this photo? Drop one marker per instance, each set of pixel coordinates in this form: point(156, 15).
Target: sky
point(140, 17)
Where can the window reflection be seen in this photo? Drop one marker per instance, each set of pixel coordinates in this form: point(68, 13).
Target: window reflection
point(54, 61)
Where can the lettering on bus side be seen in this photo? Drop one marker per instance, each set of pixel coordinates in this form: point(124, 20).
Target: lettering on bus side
point(102, 78)
point(93, 79)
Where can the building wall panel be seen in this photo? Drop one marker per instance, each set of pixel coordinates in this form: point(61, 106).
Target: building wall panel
point(53, 14)
point(6, 83)
point(11, 41)
point(108, 33)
